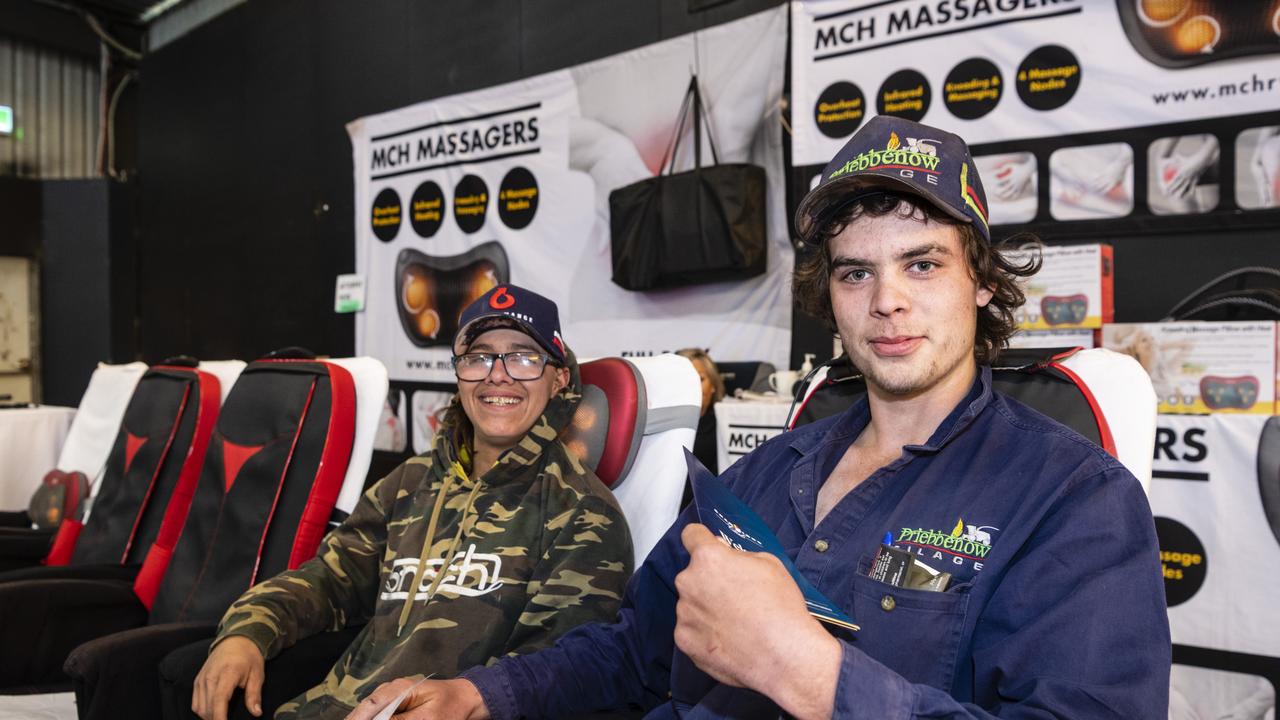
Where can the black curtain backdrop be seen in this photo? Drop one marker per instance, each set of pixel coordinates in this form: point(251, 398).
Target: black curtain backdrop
point(87, 282)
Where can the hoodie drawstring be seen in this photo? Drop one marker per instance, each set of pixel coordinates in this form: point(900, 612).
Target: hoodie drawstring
point(456, 471)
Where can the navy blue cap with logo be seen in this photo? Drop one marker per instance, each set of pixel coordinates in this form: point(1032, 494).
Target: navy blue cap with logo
point(895, 154)
point(513, 307)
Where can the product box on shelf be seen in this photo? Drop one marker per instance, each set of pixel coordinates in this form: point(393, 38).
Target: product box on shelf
point(1073, 290)
point(1204, 367)
point(1053, 339)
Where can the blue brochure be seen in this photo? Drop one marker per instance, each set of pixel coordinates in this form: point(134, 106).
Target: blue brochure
point(732, 521)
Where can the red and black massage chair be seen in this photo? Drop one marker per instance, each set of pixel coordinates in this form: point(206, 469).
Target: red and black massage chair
point(145, 486)
point(263, 499)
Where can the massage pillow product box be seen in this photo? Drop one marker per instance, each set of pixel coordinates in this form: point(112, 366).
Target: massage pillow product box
point(1074, 289)
point(1198, 368)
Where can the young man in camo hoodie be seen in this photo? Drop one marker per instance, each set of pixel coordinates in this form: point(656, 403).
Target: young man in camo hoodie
point(533, 542)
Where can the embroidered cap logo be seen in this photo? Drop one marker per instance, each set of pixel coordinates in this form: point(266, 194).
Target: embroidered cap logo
point(501, 300)
point(920, 154)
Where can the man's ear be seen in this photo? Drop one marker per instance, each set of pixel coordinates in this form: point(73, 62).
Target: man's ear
point(562, 378)
point(984, 296)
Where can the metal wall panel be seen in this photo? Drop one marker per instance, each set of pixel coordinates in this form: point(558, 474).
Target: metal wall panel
point(55, 106)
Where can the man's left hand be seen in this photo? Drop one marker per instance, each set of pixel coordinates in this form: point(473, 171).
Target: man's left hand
point(742, 620)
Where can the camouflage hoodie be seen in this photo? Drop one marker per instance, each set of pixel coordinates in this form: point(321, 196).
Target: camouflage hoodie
point(538, 544)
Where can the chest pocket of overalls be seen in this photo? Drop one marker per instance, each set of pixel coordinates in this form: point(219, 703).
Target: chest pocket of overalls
point(915, 633)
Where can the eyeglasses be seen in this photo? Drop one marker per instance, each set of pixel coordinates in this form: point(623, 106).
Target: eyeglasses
point(520, 365)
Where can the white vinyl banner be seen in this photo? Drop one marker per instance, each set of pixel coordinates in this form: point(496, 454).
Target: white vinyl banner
point(1216, 497)
point(511, 184)
point(1002, 70)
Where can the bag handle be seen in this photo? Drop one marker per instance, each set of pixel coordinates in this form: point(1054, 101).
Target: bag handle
point(673, 145)
point(692, 97)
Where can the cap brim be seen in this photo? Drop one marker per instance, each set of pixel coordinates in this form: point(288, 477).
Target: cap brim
point(825, 198)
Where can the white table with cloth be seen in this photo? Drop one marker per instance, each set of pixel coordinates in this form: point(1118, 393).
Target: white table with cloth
point(30, 440)
point(743, 424)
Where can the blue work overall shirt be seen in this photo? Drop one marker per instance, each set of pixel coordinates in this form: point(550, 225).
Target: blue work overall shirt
point(1056, 606)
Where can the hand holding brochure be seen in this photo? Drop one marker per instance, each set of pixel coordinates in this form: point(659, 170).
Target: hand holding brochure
point(731, 520)
point(391, 707)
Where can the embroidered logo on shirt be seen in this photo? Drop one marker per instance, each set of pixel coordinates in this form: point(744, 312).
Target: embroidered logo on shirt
point(964, 542)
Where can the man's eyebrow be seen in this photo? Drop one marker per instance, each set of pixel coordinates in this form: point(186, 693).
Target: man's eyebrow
point(922, 250)
point(843, 261)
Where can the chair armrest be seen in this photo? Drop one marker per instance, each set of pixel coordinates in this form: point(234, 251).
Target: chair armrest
point(15, 518)
point(110, 571)
point(23, 547)
point(44, 620)
point(294, 671)
point(117, 675)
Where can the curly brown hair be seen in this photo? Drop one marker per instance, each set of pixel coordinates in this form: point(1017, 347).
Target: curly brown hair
point(810, 284)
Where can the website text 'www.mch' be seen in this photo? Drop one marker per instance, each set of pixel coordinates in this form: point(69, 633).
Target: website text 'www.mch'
point(1251, 86)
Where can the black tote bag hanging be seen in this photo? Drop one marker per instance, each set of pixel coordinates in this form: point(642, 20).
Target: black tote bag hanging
point(700, 226)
